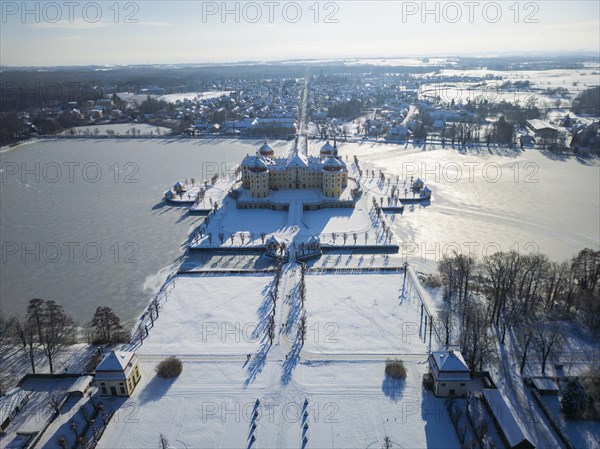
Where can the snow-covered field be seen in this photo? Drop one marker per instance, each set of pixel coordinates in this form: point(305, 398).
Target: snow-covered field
point(326, 221)
point(210, 315)
point(120, 129)
point(348, 400)
point(351, 316)
point(349, 405)
point(194, 96)
point(293, 225)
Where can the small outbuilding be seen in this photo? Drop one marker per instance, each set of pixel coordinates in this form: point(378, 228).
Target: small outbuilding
point(450, 373)
point(511, 432)
point(179, 187)
point(169, 194)
point(425, 193)
point(81, 385)
point(118, 374)
point(545, 386)
point(418, 184)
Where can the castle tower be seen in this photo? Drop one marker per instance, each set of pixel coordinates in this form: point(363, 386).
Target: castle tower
point(266, 151)
point(332, 177)
point(326, 151)
point(258, 174)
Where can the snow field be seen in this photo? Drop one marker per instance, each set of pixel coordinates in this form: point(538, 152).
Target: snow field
point(210, 315)
point(362, 313)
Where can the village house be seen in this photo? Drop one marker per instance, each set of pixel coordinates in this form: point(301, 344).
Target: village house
point(118, 374)
point(450, 373)
point(542, 130)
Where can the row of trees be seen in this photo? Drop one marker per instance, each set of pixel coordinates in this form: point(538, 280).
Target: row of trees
point(510, 290)
point(46, 329)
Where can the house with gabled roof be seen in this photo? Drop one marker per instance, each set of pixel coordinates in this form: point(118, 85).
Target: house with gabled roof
point(451, 376)
point(118, 374)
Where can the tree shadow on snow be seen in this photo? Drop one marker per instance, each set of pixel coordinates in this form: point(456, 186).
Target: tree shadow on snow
point(257, 363)
point(155, 389)
point(393, 388)
point(291, 361)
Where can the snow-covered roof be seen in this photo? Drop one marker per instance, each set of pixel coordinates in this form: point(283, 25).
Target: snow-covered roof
point(258, 165)
point(418, 181)
point(169, 192)
point(247, 161)
point(266, 149)
point(273, 240)
point(450, 361)
point(449, 366)
point(426, 189)
point(332, 164)
point(327, 148)
point(115, 361)
point(178, 184)
point(313, 239)
point(81, 384)
point(299, 160)
point(510, 428)
point(544, 384)
point(539, 125)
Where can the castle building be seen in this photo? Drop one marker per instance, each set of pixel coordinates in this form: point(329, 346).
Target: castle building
point(263, 172)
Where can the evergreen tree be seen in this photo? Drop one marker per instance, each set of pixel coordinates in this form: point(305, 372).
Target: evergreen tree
point(574, 400)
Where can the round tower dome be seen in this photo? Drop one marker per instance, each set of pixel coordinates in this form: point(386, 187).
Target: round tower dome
point(332, 164)
point(327, 149)
point(258, 165)
point(266, 150)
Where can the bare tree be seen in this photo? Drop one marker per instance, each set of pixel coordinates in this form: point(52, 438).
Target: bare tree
point(524, 335)
point(25, 333)
point(107, 325)
point(163, 443)
point(7, 334)
point(54, 327)
point(548, 338)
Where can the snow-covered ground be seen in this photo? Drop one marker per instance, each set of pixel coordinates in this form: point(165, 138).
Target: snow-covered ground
point(582, 434)
point(351, 316)
point(120, 129)
point(194, 96)
point(294, 225)
point(348, 400)
point(349, 405)
point(210, 315)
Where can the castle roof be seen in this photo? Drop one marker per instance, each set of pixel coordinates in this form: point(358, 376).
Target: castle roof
point(326, 149)
point(266, 150)
point(247, 161)
point(299, 160)
point(332, 164)
point(258, 165)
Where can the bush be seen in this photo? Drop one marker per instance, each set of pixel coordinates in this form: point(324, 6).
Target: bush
point(395, 369)
point(432, 281)
point(575, 399)
point(169, 367)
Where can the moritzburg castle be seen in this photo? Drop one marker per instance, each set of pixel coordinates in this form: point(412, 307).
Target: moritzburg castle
point(263, 172)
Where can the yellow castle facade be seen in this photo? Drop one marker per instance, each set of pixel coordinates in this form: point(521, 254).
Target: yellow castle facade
point(263, 172)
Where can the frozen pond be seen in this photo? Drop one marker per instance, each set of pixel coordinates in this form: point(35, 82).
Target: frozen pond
point(101, 236)
point(87, 239)
point(484, 201)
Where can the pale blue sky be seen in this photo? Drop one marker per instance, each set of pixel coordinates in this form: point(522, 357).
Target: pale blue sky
point(178, 32)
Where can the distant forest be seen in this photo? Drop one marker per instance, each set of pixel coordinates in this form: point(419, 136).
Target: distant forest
point(23, 89)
